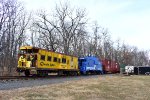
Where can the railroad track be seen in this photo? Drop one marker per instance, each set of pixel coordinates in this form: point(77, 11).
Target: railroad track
point(41, 77)
point(31, 77)
point(12, 77)
point(19, 77)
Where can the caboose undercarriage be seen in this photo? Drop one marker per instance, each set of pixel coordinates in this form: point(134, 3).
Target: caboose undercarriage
point(45, 72)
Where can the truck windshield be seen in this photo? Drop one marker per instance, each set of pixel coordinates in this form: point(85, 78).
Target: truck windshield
point(81, 61)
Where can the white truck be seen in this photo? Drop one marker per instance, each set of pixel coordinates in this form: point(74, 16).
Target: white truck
point(129, 69)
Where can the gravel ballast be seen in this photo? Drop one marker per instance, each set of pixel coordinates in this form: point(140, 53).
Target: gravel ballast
point(14, 84)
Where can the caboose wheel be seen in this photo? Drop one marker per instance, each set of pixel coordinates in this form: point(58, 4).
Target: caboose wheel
point(27, 73)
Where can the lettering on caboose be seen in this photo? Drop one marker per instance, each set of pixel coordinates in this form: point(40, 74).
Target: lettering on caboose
point(46, 64)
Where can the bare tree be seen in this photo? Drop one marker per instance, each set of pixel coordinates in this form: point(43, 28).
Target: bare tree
point(61, 29)
point(69, 22)
point(13, 23)
point(79, 42)
point(48, 37)
point(97, 39)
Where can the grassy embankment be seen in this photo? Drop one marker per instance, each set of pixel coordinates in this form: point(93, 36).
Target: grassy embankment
point(102, 88)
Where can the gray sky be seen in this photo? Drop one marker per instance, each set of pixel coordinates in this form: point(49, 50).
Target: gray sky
point(128, 20)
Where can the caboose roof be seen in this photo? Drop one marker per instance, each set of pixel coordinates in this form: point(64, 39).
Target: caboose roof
point(31, 47)
point(26, 47)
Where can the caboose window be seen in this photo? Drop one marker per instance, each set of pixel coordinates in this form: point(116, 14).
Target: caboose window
point(55, 59)
point(42, 57)
point(59, 60)
point(63, 60)
point(28, 51)
point(49, 58)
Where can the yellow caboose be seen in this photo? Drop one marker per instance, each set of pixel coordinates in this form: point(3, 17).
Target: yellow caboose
point(33, 60)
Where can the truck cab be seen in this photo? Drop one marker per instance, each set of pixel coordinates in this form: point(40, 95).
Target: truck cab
point(90, 65)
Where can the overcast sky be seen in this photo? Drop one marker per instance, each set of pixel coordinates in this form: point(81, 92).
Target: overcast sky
point(128, 20)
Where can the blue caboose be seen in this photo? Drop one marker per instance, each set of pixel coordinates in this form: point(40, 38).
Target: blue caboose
point(90, 65)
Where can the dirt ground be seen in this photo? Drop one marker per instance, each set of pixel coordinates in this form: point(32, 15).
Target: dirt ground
point(101, 88)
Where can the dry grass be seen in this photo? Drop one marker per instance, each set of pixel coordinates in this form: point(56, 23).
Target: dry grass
point(102, 88)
